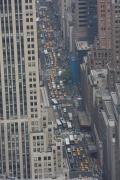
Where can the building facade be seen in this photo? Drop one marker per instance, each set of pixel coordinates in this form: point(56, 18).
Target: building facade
point(100, 55)
point(116, 39)
point(80, 17)
point(99, 58)
point(103, 108)
point(20, 98)
point(78, 21)
point(114, 65)
point(22, 107)
point(104, 23)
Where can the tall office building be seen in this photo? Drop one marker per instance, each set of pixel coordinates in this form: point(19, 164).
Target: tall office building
point(19, 85)
point(116, 39)
point(84, 19)
point(80, 17)
point(64, 8)
point(114, 65)
point(100, 55)
point(23, 117)
point(92, 20)
point(104, 23)
point(78, 21)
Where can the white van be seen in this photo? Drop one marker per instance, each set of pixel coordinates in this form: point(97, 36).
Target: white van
point(61, 82)
point(64, 110)
point(58, 87)
point(54, 107)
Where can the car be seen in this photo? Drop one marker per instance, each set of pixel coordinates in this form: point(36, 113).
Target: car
point(68, 150)
point(54, 107)
point(54, 86)
point(58, 87)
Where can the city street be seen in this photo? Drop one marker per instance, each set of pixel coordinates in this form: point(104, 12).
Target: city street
point(63, 97)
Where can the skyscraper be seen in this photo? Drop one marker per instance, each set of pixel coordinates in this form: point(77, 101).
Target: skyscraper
point(114, 64)
point(22, 109)
point(100, 55)
point(104, 23)
point(84, 19)
point(80, 18)
point(19, 89)
point(116, 39)
point(78, 21)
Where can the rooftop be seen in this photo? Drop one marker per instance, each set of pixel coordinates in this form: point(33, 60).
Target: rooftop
point(98, 78)
point(44, 96)
point(82, 45)
point(109, 110)
point(83, 119)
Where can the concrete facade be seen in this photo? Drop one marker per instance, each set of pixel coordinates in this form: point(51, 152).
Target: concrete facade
point(115, 64)
point(102, 108)
point(78, 21)
point(25, 117)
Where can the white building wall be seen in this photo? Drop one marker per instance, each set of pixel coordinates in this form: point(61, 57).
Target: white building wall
point(21, 106)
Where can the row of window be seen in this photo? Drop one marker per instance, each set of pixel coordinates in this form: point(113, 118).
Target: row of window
point(45, 158)
point(28, 1)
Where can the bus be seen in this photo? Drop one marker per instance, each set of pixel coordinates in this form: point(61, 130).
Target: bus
point(70, 116)
point(67, 141)
point(59, 124)
point(54, 86)
point(54, 101)
point(43, 26)
point(71, 138)
point(69, 125)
